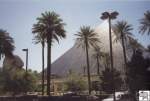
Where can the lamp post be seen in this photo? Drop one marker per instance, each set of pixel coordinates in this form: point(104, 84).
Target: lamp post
point(26, 50)
point(110, 16)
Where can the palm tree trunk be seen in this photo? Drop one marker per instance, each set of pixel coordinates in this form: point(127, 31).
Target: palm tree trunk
point(84, 71)
point(88, 66)
point(48, 64)
point(111, 58)
point(98, 72)
point(42, 68)
point(124, 54)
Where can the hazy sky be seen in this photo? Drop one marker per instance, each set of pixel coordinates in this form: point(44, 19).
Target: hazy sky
point(18, 16)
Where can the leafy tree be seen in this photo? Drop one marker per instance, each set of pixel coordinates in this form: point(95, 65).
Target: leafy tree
point(138, 72)
point(106, 79)
point(145, 23)
point(87, 38)
point(53, 28)
point(17, 82)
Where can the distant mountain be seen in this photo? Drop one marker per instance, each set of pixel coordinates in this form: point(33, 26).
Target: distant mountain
point(75, 58)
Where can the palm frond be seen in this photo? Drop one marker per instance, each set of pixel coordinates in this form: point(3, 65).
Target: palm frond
point(122, 30)
point(145, 23)
point(87, 34)
point(50, 24)
point(6, 43)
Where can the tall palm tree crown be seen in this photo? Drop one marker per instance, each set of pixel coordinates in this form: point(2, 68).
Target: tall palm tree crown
point(53, 25)
point(87, 38)
point(122, 30)
point(6, 43)
point(88, 35)
point(145, 23)
point(39, 33)
point(53, 29)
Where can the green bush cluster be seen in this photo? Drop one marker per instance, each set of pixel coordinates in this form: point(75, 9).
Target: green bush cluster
point(17, 81)
point(75, 83)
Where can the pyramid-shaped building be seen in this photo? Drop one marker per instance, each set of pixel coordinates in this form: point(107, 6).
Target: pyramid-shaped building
point(75, 58)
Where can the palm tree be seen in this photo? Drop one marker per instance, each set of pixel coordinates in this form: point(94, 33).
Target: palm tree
point(54, 29)
point(6, 44)
point(145, 23)
point(40, 38)
point(87, 38)
point(110, 16)
point(122, 31)
point(98, 54)
point(133, 44)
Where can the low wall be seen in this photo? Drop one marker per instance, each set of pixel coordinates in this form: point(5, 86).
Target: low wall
point(36, 98)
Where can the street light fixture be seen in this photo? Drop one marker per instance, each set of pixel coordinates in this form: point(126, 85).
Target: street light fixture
point(110, 16)
point(26, 50)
